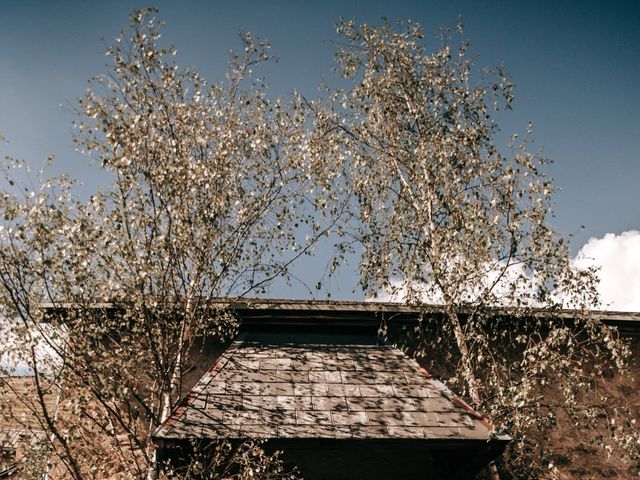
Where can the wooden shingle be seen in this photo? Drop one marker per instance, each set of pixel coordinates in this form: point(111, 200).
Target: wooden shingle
point(262, 390)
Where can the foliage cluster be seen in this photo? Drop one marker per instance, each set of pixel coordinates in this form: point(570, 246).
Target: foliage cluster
point(217, 189)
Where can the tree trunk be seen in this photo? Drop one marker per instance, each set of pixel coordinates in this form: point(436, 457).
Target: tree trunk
point(467, 371)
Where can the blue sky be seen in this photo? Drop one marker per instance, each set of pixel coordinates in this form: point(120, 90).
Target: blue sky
point(575, 64)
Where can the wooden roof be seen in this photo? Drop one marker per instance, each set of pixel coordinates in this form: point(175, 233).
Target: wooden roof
point(260, 389)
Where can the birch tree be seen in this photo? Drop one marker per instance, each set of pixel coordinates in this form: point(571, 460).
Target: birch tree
point(204, 202)
point(443, 215)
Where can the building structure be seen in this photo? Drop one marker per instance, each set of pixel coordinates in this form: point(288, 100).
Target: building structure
point(317, 382)
point(21, 426)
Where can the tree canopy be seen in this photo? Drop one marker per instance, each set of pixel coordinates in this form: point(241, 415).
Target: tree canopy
point(217, 189)
point(444, 216)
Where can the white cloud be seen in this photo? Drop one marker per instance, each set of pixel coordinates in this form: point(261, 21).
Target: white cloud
point(618, 257)
point(496, 286)
point(404, 290)
point(15, 350)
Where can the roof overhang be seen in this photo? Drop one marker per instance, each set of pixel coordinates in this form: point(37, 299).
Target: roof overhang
point(256, 311)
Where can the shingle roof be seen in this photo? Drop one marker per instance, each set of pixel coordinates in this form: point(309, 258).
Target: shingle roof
point(262, 390)
point(11, 438)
